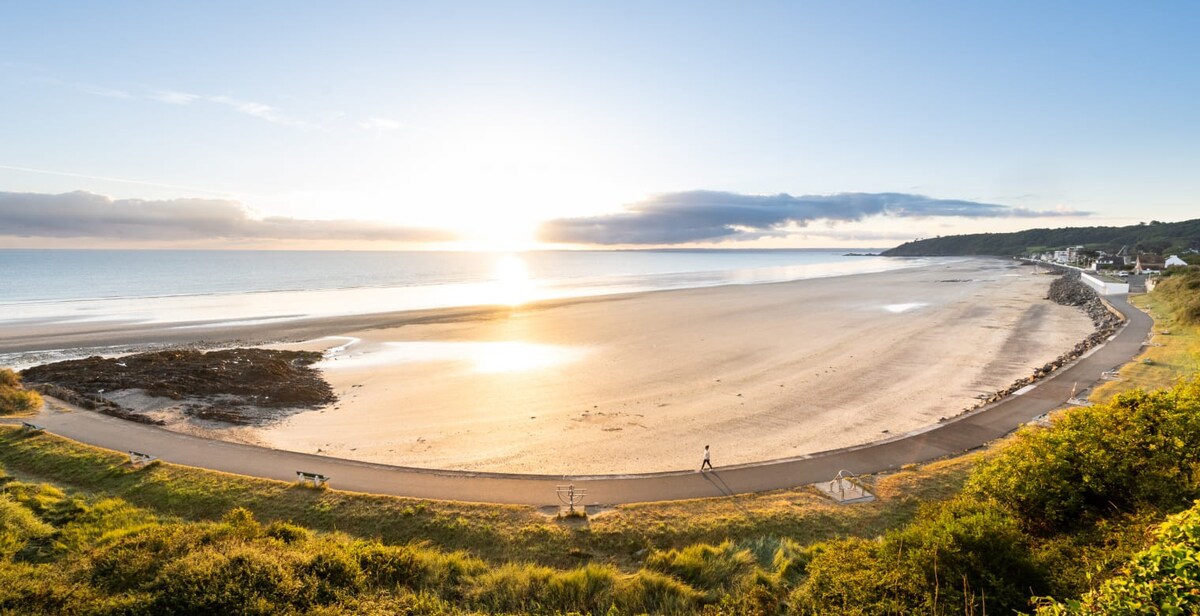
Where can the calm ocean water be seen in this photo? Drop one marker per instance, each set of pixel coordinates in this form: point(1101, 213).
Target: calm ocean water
point(197, 287)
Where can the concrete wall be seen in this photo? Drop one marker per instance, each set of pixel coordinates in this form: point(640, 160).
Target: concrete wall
point(1103, 287)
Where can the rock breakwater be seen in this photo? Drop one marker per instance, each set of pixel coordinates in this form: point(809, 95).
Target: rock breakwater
point(1067, 290)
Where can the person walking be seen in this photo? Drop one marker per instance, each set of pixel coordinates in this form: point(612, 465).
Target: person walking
point(707, 460)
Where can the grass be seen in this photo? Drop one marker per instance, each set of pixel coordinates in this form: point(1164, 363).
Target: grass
point(498, 533)
point(165, 533)
point(1171, 356)
point(79, 527)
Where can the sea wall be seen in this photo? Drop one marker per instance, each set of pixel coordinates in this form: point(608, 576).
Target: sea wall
point(1103, 287)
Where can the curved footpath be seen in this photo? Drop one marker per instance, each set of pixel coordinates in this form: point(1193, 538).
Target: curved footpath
point(962, 433)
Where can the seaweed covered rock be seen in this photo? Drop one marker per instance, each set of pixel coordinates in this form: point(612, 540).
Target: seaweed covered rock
point(226, 385)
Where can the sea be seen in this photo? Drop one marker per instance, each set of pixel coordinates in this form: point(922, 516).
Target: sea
point(197, 288)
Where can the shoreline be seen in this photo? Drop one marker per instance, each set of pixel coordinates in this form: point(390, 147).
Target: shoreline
point(48, 335)
point(951, 438)
point(763, 372)
point(180, 317)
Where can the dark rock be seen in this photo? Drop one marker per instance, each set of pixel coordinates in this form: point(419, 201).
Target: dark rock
point(233, 385)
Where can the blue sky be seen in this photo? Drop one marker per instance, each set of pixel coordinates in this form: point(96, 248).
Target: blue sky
point(504, 123)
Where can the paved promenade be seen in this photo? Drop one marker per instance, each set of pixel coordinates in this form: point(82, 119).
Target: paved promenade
point(960, 434)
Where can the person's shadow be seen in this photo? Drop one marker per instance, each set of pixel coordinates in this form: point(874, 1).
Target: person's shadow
point(715, 479)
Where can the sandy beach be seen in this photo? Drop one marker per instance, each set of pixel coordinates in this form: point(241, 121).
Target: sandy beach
point(641, 382)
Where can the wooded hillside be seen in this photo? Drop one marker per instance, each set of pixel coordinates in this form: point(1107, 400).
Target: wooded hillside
point(1156, 237)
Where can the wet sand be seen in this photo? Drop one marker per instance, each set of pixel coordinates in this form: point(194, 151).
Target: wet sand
point(641, 383)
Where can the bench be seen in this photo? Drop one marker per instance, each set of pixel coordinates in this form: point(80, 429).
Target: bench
point(32, 427)
point(137, 458)
point(317, 479)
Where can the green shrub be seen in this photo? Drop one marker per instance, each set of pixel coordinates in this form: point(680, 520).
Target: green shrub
point(41, 589)
point(854, 576)
point(390, 566)
point(1162, 579)
point(972, 552)
point(1140, 449)
point(961, 554)
point(131, 562)
point(240, 522)
point(232, 578)
point(288, 533)
point(332, 572)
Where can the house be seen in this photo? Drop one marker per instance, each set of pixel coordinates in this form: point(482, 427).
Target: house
point(1174, 261)
point(1148, 264)
point(1109, 262)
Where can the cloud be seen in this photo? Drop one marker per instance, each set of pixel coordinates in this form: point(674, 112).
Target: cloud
point(706, 216)
point(174, 98)
point(261, 111)
point(102, 91)
point(85, 214)
point(112, 179)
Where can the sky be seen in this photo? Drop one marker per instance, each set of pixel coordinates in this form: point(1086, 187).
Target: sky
point(515, 125)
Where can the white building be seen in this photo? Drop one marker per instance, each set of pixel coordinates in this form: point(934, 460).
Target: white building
point(1173, 260)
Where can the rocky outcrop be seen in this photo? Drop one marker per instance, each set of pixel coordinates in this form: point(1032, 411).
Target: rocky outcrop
point(92, 403)
point(234, 385)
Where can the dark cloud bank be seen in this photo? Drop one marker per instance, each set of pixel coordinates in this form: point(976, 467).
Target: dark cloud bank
point(705, 216)
point(85, 214)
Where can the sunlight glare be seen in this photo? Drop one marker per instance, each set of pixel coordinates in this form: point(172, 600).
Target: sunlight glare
point(483, 357)
point(512, 278)
point(495, 357)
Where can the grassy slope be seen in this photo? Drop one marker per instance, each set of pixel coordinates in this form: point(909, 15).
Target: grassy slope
point(1171, 356)
point(494, 532)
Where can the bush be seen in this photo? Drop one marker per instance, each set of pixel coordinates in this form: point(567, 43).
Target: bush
point(954, 555)
point(1163, 579)
point(13, 399)
point(1140, 449)
point(333, 572)
point(853, 576)
point(229, 579)
point(288, 533)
